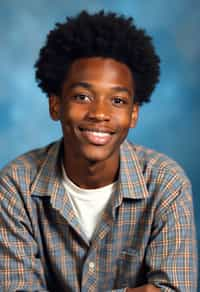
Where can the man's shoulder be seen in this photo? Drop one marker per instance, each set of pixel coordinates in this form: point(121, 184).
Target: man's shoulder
point(29, 161)
point(154, 163)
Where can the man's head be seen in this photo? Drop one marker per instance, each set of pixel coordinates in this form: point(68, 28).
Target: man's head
point(95, 108)
point(97, 70)
point(98, 35)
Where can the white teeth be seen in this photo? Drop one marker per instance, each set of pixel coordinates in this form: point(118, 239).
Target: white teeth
point(99, 134)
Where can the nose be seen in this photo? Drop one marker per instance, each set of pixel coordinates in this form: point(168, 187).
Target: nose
point(99, 111)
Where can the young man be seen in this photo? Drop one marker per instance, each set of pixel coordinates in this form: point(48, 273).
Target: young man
point(93, 212)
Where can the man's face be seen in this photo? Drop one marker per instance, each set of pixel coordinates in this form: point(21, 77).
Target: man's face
point(95, 108)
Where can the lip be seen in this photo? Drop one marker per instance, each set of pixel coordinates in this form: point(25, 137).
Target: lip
point(97, 129)
point(97, 136)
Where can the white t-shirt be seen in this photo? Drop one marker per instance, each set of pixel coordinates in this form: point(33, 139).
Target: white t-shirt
point(88, 204)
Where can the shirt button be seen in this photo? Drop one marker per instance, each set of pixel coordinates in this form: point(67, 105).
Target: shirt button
point(91, 265)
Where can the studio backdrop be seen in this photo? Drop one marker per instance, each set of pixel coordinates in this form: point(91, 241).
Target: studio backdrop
point(169, 124)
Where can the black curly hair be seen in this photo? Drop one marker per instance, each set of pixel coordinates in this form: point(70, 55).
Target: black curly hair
point(99, 35)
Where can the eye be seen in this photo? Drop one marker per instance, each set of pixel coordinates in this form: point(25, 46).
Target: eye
point(119, 100)
point(82, 98)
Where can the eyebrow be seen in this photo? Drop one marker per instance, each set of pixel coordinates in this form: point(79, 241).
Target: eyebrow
point(89, 86)
point(80, 84)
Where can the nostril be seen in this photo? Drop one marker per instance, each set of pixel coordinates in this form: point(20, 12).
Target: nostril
point(98, 117)
point(98, 114)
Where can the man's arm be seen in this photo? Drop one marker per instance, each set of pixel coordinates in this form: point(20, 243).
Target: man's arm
point(171, 254)
point(20, 265)
point(171, 257)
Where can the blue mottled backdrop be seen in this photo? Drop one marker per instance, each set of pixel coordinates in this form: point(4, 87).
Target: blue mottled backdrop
point(169, 124)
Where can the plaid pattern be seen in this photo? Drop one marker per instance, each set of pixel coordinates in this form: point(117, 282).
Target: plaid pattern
point(146, 234)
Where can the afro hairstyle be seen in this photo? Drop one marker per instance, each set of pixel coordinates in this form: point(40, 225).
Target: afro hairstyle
point(98, 35)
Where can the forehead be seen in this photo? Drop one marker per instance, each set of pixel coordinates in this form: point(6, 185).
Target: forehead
point(101, 71)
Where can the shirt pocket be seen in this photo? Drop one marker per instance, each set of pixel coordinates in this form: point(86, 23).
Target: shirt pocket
point(129, 267)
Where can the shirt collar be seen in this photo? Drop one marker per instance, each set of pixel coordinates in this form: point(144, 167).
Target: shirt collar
point(131, 180)
point(49, 178)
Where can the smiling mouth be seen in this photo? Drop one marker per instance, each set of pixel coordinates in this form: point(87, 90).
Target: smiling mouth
point(97, 136)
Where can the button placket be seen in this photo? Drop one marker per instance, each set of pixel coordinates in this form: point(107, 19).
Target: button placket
point(91, 266)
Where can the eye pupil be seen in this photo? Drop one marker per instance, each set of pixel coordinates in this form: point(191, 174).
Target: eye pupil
point(118, 100)
point(81, 97)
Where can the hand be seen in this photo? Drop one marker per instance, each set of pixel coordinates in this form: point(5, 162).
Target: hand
point(145, 288)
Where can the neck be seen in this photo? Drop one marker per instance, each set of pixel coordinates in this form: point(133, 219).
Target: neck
point(91, 175)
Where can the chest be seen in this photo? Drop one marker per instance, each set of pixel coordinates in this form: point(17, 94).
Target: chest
point(113, 258)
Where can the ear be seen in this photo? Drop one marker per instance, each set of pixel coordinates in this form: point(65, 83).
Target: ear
point(134, 115)
point(54, 107)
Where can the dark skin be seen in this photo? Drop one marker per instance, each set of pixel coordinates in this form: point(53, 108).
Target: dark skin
point(96, 109)
point(97, 95)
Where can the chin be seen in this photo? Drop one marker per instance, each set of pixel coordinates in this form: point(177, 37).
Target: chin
point(97, 155)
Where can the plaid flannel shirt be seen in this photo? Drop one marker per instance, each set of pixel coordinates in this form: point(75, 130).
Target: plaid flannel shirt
point(146, 234)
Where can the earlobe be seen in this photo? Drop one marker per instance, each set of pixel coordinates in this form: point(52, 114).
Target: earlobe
point(134, 115)
point(54, 107)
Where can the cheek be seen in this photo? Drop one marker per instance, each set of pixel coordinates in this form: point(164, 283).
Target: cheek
point(71, 114)
point(124, 120)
